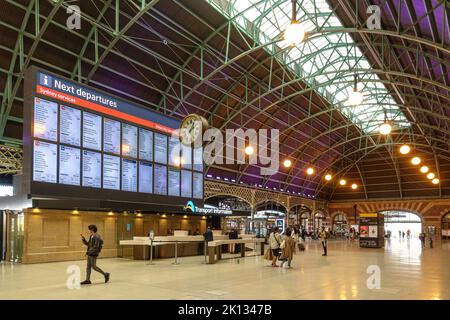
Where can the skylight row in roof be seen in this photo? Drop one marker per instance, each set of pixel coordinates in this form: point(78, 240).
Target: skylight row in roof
point(327, 61)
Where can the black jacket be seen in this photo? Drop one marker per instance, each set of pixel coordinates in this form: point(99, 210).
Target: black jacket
point(208, 235)
point(94, 245)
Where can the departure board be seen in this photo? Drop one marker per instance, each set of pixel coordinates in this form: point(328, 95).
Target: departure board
point(69, 165)
point(78, 138)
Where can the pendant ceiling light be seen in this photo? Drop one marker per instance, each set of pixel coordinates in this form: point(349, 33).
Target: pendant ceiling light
point(385, 128)
point(295, 32)
point(356, 97)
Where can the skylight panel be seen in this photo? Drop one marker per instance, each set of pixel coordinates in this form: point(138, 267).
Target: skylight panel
point(319, 59)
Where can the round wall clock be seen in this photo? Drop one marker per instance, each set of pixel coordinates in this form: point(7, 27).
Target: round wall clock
point(192, 129)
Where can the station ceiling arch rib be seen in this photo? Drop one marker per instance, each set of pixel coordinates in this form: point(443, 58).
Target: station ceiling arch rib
point(226, 60)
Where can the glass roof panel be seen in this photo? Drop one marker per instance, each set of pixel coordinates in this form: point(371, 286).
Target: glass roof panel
point(320, 58)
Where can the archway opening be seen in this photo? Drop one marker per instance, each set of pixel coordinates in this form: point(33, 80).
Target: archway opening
point(398, 222)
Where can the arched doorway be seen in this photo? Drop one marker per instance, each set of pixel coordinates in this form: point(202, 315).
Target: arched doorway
point(340, 225)
point(398, 222)
point(319, 220)
point(304, 220)
point(272, 213)
point(237, 220)
point(446, 226)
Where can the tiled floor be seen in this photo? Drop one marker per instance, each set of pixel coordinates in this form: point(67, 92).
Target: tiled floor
point(407, 272)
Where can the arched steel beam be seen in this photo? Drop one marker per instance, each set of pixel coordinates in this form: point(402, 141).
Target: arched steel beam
point(56, 5)
point(284, 98)
point(310, 36)
point(6, 96)
point(371, 149)
point(92, 32)
point(299, 148)
point(117, 37)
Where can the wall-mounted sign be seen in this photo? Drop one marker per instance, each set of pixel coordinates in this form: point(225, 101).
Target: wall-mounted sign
point(212, 211)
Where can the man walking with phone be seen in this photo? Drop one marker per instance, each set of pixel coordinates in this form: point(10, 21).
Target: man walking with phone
point(94, 247)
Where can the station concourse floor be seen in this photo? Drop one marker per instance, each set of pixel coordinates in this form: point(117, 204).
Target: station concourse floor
point(407, 273)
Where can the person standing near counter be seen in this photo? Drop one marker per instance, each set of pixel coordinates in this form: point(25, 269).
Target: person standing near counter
point(208, 235)
point(274, 243)
point(94, 247)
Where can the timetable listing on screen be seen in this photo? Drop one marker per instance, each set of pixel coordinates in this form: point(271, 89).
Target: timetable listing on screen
point(92, 169)
point(45, 161)
point(129, 175)
point(129, 141)
point(160, 179)
point(186, 183)
point(145, 144)
point(45, 119)
point(145, 177)
point(69, 125)
point(92, 131)
point(160, 148)
point(174, 182)
point(111, 172)
point(111, 136)
point(69, 165)
point(198, 185)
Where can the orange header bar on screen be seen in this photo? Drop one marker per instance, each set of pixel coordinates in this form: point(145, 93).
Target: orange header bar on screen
point(98, 108)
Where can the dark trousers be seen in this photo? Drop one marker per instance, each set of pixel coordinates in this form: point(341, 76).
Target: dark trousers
point(324, 245)
point(92, 264)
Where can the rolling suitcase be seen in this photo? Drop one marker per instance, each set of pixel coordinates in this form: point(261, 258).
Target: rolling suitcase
point(301, 247)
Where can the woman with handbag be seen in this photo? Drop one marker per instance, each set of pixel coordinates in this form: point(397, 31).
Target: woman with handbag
point(288, 248)
point(274, 243)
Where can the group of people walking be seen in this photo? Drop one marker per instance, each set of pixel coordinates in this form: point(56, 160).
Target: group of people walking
point(283, 246)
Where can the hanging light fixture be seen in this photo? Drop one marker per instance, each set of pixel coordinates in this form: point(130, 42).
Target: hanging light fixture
point(328, 177)
point(354, 186)
point(416, 161)
point(424, 169)
point(405, 149)
point(342, 182)
point(310, 171)
point(249, 150)
point(435, 181)
point(385, 128)
point(431, 176)
point(295, 32)
point(287, 163)
point(356, 97)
